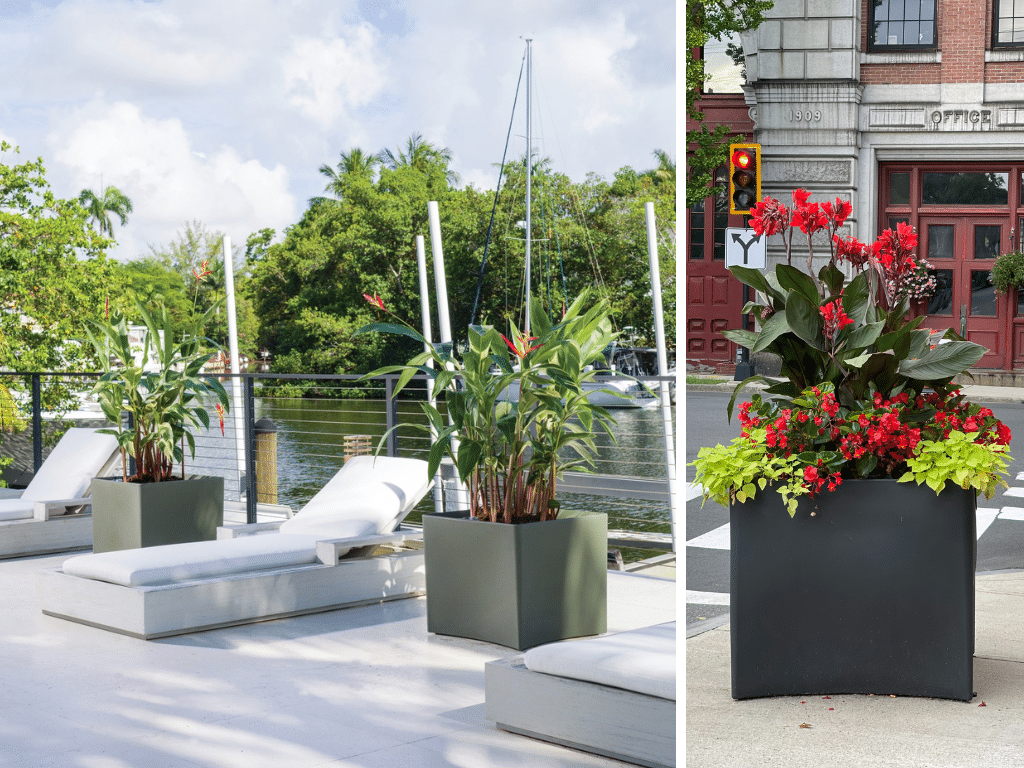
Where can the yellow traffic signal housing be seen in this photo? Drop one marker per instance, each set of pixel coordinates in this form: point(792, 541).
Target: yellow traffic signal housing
point(744, 177)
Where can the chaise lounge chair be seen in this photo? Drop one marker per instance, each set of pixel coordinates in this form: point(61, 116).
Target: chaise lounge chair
point(49, 515)
point(261, 571)
point(612, 695)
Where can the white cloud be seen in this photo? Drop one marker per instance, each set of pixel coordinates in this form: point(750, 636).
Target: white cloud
point(327, 79)
point(268, 90)
point(152, 161)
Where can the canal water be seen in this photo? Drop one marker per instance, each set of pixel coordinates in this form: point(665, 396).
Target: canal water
point(311, 436)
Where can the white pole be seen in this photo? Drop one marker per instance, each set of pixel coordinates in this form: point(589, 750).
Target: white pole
point(666, 401)
point(421, 263)
point(443, 320)
point(236, 383)
point(529, 185)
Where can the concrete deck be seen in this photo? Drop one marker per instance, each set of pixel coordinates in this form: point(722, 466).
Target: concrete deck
point(358, 687)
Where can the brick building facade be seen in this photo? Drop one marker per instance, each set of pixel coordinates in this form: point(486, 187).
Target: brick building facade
point(913, 111)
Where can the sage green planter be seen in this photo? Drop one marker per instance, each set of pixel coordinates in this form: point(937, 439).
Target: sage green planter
point(517, 585)
point(134, 515)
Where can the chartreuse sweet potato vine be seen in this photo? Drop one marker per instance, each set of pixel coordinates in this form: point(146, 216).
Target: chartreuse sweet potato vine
point(958, 459)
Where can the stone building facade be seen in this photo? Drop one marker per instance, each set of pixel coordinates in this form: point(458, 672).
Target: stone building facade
point(913, 111)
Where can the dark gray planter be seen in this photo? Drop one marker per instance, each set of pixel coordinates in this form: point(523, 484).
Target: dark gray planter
point(517, 585)
point(873, 594)
point(133, 515)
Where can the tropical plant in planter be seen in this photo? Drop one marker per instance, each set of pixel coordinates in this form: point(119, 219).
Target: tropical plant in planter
point(510, 451)
point(158, 504)
point(867, 585)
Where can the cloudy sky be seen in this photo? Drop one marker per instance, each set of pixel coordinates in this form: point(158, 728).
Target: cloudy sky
point(223, 110)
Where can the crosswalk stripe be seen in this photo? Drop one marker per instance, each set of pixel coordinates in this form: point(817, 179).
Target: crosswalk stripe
point(1020, 475)
point(707, 598)
point(985, 517)
point(1018, 492)
point(693, 491)
point(1011, 513)
point(717, 538)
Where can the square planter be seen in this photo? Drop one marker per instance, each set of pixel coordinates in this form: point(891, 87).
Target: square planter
point(874, 593)
point(517, 585)
point(133, 515)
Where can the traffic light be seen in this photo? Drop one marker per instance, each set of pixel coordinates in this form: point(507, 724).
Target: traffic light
point(744, 177)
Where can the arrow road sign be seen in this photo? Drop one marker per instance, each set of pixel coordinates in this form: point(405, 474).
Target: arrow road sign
point(745, 249)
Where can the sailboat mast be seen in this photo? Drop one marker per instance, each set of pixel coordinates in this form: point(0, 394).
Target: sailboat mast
point(529, 177)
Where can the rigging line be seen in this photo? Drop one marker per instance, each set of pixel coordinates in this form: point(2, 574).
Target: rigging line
point(487, 242)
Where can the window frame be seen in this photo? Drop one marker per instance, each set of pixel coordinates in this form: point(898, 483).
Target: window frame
point(874, 47)
point(995, 28)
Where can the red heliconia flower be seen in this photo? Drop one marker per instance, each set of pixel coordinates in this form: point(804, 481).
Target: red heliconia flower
point(220, 413)
point(202, 271)
point(376, 300)
point(523, 348)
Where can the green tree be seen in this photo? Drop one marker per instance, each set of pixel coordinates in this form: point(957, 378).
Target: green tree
point(710, 20)
point(110, 201)
point(54, 275)
point(355, 162)
point(422, 156)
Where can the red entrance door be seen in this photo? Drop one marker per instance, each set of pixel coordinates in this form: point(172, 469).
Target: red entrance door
point(714, 298)
point(963, 251)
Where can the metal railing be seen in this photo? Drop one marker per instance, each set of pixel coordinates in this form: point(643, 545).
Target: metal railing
point(318, 418)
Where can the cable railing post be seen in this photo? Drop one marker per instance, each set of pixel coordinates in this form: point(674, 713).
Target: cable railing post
point(250, 450)
point(391, 409)
point(37, 423)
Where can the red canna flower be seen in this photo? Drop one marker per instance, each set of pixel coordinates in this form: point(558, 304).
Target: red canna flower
point(220, 413)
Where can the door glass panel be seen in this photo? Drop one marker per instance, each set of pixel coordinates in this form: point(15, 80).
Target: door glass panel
point(697, 231)
point(968, 188)
point(941, 302)
point(721, 222)
point(986, 240)
point(983, 293)
point(894, 220)
point(899, 188)
point(940, 241)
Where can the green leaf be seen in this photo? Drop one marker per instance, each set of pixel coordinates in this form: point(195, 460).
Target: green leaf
point(832, 277)
point(945, 361)
point(805, 320)
point(793, 279)
point(773, 327)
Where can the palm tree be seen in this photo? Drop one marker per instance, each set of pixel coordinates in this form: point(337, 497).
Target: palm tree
point(353, 163)
point(421, 155)
point(99, 208)
point(666, 169)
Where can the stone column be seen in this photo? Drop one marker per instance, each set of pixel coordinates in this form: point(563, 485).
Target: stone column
point(803, 73)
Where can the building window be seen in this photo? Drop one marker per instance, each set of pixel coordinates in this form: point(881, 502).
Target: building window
point(1009, 22)
point(722, 73)
point(904, 23)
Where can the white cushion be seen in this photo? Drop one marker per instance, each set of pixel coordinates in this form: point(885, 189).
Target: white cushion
point(71, 465)
point(368, 495)
point(365, 508)
point(641, 660)
point(151, 566)
point(15, 509)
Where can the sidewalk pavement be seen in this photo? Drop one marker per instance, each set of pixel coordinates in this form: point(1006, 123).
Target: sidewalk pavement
point(851, 731)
